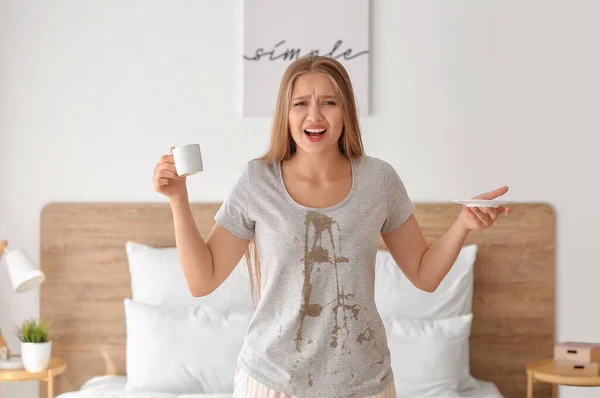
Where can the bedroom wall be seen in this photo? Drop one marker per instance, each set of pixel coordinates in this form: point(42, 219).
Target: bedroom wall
point(466, 96)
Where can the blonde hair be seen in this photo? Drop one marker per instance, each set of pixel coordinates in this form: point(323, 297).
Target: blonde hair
point(282, 146)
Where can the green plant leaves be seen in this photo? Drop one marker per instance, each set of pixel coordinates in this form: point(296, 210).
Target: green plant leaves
point(34, 331)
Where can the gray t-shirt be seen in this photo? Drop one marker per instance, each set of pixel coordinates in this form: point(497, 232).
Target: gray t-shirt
point(316, 331)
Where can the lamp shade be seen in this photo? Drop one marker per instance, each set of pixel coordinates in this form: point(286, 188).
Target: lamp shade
point(23, 272)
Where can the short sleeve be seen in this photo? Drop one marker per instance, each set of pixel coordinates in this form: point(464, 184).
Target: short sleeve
point(233, 213)
point(399, 207)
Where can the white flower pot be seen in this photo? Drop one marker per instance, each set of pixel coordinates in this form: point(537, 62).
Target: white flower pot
point(36, 356)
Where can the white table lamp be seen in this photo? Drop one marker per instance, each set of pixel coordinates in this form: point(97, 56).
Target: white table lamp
point(24, 275)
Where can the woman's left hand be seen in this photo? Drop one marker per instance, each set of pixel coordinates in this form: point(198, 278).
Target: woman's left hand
point(477, 218)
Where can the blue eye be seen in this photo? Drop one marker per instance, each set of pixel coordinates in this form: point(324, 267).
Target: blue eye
point(329, 103)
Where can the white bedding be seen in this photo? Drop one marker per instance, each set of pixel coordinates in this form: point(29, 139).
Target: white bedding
point(426, 367)
point(114, 387)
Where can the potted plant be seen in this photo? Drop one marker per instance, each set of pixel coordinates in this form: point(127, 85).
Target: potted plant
point(36, 346)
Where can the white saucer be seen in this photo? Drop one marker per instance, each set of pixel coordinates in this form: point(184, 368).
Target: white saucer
point(482, 202)
point(11, 363)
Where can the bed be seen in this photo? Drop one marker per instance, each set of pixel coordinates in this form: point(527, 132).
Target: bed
point(83, 256)
point(114, 387)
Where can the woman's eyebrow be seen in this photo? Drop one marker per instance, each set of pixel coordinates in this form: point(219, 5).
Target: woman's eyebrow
point(308, 96)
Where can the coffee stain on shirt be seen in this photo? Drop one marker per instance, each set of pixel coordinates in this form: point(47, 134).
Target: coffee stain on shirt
point(379, 363)
point(367, 335)
point(315, 253)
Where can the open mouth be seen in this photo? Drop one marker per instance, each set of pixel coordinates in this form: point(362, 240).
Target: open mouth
point(314, 133)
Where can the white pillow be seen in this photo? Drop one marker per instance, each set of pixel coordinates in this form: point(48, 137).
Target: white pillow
point(182, 350)
point(396, 296)
point(157, 278)
point(430, 358)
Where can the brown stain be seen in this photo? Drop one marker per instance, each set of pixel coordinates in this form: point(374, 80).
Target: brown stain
point(319, 255)
point(355, 312)
point(367, 335)
point(314, 253)
point(310, 380)
point(379, 363)
point(314, 310)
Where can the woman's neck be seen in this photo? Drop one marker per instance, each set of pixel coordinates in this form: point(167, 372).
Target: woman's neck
point(318, 166)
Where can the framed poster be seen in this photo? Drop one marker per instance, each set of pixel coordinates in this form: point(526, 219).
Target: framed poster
point(277, 32)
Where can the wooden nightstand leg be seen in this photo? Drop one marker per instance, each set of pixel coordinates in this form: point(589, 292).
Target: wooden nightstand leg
point(529, 385)
point(50, 385)
point(554, 387)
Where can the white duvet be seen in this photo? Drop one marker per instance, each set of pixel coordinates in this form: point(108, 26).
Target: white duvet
point(114, 387)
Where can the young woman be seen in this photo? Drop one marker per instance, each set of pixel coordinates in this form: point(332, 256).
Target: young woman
point(314, 205)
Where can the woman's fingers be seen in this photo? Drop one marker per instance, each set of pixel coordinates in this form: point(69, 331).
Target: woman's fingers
point(165, 178)
point(169, 166)
point(165, 169)
point(165, 159)
point(491, 212)
point(483, 217)
point(504, 210)
point(165, 173)
point(162, 174)
point(160, 183)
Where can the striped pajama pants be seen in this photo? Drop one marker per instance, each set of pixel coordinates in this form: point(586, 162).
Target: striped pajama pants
point(247, 387)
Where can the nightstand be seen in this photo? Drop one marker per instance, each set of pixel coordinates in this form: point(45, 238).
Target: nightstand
point(56, 367)
point(545, 371)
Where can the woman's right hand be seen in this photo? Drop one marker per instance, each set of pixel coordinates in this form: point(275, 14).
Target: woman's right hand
point(165, 179)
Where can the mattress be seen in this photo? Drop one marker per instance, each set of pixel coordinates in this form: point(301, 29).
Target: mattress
point(114, 387)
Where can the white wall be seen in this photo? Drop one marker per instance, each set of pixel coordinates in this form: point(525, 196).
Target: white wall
point(466, 96)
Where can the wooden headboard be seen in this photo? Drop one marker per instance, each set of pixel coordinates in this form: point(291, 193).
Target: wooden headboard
point(87, 278)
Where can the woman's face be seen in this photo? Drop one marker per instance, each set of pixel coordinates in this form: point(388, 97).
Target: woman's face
point(315, 116)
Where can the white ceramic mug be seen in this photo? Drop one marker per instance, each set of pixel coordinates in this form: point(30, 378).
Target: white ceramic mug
point(188, 159)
